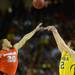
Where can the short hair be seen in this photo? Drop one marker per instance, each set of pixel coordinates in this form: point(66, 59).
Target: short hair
point(1, 42)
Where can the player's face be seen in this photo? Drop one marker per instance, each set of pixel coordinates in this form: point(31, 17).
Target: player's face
point(6, 43)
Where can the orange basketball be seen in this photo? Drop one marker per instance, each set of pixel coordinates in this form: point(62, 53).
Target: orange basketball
point(38, 4)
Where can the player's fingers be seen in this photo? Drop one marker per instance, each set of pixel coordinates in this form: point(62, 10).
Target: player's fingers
point(40, 24)
point(43, 28)
point(49, 28)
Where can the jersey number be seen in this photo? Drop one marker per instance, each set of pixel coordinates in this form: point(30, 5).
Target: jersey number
point(62, 65)
point(73, 67)
point(11, 59)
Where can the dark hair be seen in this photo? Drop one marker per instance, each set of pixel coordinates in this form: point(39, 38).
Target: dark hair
point(1, 42)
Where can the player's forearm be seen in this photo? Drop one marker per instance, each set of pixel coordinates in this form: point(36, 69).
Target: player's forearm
point(24, 39)
point(60, 42)
point(27, 37)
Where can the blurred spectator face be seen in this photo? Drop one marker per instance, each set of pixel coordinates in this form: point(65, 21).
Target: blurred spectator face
point(6, 44)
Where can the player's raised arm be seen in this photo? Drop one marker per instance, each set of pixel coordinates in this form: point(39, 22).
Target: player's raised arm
point(27, 37)
point(59, 40)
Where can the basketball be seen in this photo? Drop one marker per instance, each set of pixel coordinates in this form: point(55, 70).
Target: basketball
point(38, 4)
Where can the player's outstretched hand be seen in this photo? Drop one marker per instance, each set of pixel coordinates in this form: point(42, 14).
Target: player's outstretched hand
point(39, 27)
point(50, 28)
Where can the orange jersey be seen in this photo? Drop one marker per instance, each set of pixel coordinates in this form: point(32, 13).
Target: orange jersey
point(9, 61)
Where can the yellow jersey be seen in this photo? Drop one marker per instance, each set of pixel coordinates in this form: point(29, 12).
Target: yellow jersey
point(67, 64)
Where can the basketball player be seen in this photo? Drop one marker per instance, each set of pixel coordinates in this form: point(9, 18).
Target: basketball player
point(67, 62)
point(9, 53)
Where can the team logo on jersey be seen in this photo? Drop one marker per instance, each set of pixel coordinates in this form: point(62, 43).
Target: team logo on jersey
point(65, 58)
point(11, 53)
